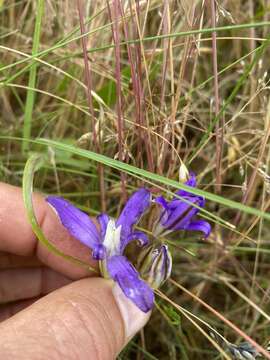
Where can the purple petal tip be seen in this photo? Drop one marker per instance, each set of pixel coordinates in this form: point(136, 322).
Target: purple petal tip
point(78, 224)
point(129, 281)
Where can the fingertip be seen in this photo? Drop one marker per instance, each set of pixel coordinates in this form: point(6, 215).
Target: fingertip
point(134, 319)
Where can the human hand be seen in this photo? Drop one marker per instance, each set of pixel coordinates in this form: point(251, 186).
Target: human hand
point(80, 318)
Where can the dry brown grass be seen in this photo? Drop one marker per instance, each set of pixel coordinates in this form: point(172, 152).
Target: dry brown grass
point(168, 99)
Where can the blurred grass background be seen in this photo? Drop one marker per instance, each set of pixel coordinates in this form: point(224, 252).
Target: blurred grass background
point(149, 84)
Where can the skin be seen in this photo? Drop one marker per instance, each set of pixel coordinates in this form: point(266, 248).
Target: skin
point(49, 308)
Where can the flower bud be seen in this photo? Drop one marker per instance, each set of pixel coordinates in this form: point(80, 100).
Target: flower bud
point(155, 265)
point(243, 351)
point(183, 173)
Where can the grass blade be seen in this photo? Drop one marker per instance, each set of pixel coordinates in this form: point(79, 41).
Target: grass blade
point(30, 98)
point(155, 177)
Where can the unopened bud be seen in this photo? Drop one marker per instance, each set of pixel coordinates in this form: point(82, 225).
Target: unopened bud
point(243, 351)
point(155, 265)
point(183, 173)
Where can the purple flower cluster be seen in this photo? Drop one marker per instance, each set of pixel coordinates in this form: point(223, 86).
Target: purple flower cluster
point(108, 244)
point(180, 213)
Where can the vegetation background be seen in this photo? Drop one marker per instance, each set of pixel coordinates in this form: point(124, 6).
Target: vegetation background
point(151, 84)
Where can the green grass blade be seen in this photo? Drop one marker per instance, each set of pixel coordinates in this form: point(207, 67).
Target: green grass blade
point(66, 38)
point(32, 79)
point(135, 41)
point(34, 163)
point(155, 177)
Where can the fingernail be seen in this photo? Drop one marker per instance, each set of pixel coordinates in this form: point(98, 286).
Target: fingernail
point(134, 319)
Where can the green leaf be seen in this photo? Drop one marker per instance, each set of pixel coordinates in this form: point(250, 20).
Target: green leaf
point(173, 316)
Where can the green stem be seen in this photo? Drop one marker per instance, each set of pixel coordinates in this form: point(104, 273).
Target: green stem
point(35, 162)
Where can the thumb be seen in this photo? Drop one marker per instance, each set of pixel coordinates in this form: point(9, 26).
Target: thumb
point(88, 319)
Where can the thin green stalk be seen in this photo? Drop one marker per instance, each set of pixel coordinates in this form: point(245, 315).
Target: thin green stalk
point(147, 174)
point(34, 163)
point(135, 41)
point(135, 171)
point(30, 97)
point(66, 38)
point(233, 94)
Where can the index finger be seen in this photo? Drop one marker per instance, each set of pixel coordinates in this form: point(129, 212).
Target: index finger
point(17, 237)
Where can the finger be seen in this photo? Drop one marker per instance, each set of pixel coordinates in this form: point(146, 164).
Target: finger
point(80, 321)
point(8, 261)
point(16, 235)
point(19, 284)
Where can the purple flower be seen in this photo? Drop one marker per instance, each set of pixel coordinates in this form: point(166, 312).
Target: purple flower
point(109, 243)
point(179, 214)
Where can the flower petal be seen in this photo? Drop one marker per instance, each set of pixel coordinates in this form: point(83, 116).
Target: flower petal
point(135, 235)
point(135, 207)
point(200, 225)
point(112, 239)
point(179, 214)
point(103, 220)
point(78, 224)
point(123, 272)
point(190, 182)
point(161, 201)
